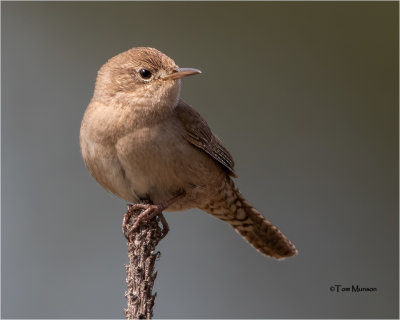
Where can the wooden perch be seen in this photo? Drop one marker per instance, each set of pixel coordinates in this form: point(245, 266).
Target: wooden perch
point(140, 274)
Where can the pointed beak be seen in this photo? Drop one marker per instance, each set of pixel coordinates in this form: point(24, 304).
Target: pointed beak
point(178, 73)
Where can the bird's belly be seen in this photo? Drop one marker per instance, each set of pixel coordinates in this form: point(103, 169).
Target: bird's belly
point(159, 163)
point(151, 163)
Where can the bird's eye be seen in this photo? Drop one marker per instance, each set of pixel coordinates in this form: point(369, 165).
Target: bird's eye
point(145, 74)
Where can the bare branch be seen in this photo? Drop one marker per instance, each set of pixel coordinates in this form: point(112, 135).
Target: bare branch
point(140, 274)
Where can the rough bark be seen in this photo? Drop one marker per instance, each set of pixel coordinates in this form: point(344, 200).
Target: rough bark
point(140, 274)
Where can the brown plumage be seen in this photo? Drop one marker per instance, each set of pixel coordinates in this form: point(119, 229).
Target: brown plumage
point(140, 141)
point(199, 134)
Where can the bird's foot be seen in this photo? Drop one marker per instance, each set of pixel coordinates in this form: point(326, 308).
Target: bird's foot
point(133, 209)
point(148, 212)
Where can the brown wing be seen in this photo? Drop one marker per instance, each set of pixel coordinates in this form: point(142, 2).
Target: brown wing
point(199, 134)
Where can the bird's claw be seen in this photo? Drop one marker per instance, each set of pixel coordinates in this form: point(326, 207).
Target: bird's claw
point(148, 212)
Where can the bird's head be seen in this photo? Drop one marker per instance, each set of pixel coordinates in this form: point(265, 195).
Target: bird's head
point(142, 77)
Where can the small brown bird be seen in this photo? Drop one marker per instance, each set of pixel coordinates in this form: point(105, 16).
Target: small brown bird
point(142, 142)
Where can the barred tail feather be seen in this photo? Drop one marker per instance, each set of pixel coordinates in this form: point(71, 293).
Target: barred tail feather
point(261, 233)
point(250, 224)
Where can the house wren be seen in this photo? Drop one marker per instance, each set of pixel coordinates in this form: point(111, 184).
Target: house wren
point(142, 142)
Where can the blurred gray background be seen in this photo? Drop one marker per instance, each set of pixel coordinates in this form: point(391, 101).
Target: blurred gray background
point(304, 95)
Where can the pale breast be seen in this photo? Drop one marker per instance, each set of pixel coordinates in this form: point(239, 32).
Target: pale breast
point(104, 165)
point(100, 156)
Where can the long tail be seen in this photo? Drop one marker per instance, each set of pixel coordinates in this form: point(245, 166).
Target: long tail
point(232, 208)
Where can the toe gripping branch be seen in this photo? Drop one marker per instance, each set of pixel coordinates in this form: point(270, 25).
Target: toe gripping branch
point(141, 213)
point(144, 212)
